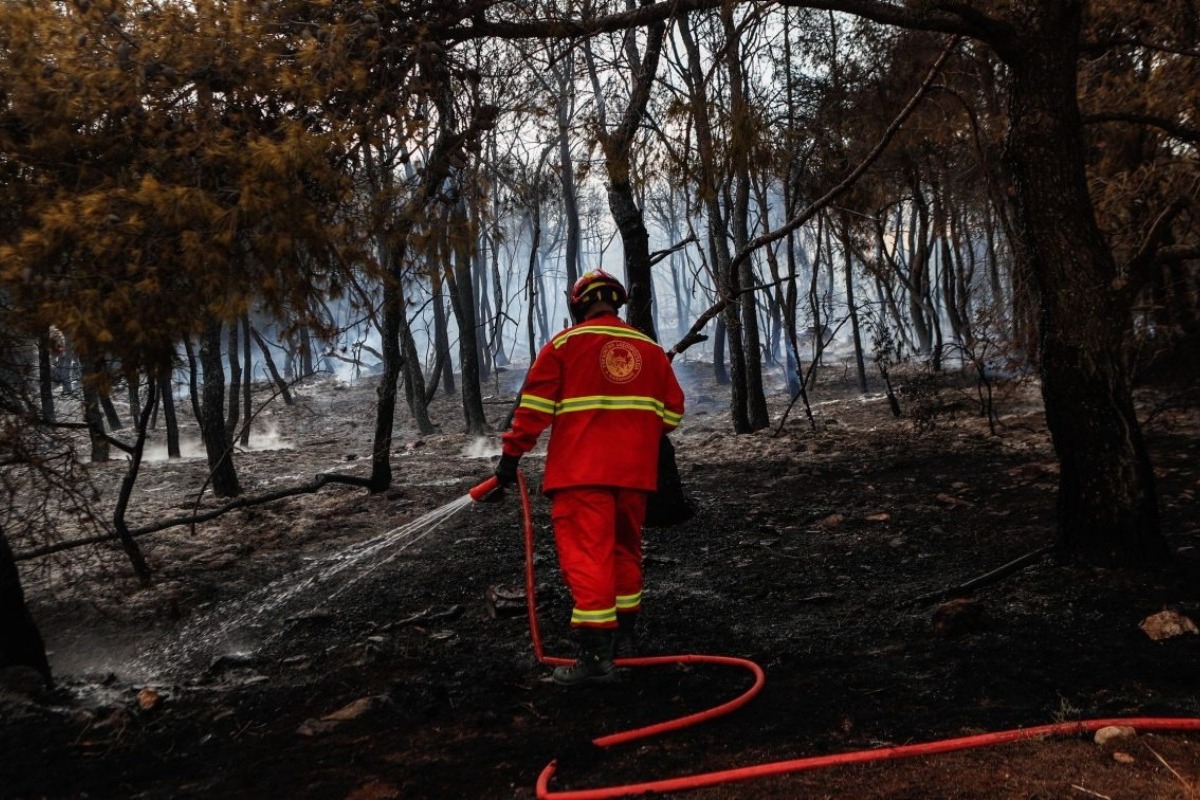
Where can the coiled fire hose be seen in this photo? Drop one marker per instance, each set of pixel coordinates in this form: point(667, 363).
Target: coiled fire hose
point(704, 779)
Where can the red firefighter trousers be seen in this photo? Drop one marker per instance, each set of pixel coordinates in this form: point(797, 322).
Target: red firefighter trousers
point(598, 533)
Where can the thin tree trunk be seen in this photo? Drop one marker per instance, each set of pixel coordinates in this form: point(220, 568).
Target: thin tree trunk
point(385, 405)
point(217, 444)
point(247, 380)
point(131, 388)
point(855, 328)
point(414, 379)
point(233, 413)
point(128, 543)
point(757, 416)
point(280, 384)
point(167, 396)
point(193, 379)
point(45, 378)
point(110, 411)
point(94, 418)
point(441, 335)
point(564, 71)
point(617, 145)
point(462, 301)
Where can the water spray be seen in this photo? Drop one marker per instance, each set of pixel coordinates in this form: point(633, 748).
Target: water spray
point(209, 632)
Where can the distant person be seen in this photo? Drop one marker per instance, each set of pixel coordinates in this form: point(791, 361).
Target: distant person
point(610, 394)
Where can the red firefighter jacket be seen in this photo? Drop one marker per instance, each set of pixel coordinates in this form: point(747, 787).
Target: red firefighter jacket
point(610, 393)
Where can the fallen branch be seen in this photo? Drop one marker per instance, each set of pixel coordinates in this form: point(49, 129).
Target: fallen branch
point(966, 589)
point(242, 502)
point(427, 615)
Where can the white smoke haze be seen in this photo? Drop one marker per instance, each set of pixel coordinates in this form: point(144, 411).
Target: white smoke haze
point(483, 447)
point(262, 437)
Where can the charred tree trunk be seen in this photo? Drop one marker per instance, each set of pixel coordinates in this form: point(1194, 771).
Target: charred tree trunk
point(94, 417)
point(276, 378)
point(166, 395)
point(45, 378)
point(462, 301)
point(132, 390)
point(233, 412)
point(1107, 509)
point(110, 410)
point(441, 335)
point(622, 202)
point(247, 380)
point(855, 326)
point(564, 73)
point(193, 379)
point(414, 378)
point(135, 463)
point(385, 405)
point(21, 643)
point(757, 416)
point(217, 444)
point(726, 274)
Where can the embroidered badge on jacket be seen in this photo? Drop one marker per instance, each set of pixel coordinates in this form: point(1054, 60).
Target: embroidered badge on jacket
point(620, 362)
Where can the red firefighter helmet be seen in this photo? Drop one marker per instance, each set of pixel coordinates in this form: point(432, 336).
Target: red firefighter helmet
point(593, 286)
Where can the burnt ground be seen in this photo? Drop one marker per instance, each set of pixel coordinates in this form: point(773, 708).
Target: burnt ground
point(317, 648)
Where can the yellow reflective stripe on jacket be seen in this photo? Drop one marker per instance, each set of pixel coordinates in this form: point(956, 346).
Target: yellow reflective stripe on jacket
point(607, 330)
point(581, 617)
point(671, 418)
point(628, 602)
point(631, 403)
point(535, 403)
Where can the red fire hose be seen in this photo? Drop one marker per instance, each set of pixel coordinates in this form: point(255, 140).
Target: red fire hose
point(704, 779)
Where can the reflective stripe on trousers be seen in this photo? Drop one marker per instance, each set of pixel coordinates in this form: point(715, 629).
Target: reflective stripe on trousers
point(598, 534)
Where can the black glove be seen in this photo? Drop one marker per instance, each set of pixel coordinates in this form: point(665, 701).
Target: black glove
point(506, 470)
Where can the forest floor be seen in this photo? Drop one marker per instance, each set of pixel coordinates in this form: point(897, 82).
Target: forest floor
point(321, 647)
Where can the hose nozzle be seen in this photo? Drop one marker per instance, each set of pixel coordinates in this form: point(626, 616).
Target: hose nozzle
point(482, 491)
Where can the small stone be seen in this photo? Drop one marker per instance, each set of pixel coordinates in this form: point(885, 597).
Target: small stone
point(830, 522)
point(1113, 733)
point(148, 699)
point(1167, 624)
point(353, 710)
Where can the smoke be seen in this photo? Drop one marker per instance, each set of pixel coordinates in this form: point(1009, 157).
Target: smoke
point(482, 447)
point(264, 437)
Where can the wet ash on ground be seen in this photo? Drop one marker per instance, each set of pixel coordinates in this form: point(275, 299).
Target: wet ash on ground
point(332, 645)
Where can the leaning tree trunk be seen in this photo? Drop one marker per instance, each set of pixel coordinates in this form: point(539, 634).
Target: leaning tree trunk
point(120, 525)
point(281, 385)
point(21, 643)
point(618, 161)
point(93, 417)
point(1107, 510)
point(217, 443)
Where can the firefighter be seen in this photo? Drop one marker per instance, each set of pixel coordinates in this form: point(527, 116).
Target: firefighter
point(609, 394)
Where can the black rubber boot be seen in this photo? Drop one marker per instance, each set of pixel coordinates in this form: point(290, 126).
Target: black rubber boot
point(595, 664)
point(627, 636)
